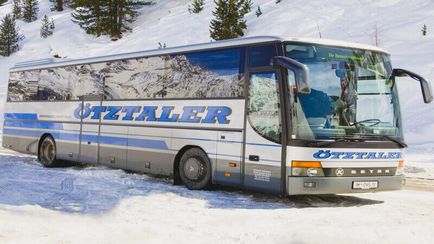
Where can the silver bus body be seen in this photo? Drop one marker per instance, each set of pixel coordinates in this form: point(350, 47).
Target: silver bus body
point(147, 130)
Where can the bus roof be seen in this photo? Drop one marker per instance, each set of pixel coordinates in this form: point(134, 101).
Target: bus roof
point(50, 63)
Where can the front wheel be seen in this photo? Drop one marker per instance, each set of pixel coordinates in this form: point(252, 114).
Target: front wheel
point(195, 169)
point(47, 152)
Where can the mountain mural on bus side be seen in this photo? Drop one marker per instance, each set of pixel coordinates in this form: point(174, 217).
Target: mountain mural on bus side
point(142, 78)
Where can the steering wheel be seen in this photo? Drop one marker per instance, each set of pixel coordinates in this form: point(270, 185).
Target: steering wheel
point(372, 122)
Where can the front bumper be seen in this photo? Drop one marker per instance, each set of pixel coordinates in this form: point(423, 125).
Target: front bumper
point(336, 185)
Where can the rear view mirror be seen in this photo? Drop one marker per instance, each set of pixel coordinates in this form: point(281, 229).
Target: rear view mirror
point(301, 71)
point(424, 84)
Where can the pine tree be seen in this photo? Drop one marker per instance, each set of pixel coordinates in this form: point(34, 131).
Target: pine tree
point(47, 28)
point(57, 5)
point(106, 17)
point(2, 1)
point(30, 10)
point(197, 6)
point(278, 1)
point(229, 19)
point(258, 11)
point(424, 30)
point(16, 9)
point(122, 13)
point(88, 15)
point(9, 36)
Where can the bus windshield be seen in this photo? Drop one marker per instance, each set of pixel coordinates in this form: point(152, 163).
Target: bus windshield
point(352, 95)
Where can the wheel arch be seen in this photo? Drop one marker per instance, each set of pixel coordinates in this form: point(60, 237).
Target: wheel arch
point(177, 160)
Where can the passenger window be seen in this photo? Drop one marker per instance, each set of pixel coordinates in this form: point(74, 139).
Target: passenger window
point(264, 113)
point(261, 55)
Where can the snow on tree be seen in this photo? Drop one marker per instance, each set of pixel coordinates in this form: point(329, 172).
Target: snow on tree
point(30, 10)
point(229, 19)
point(88, 15)
point(106, 17)
point(2, 2)
point(47, 28)
point(17, 12)
point(9, 36)
point(197, 6)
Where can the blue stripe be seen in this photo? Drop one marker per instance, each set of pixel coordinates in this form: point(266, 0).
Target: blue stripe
point(35, 124)
point(21, 116)
point(22, 132)
point(263, 145)
point(154, 144)
point(111, 140)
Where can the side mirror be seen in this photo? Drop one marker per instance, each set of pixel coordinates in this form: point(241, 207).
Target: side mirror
point(424, 84)
point(301, 71)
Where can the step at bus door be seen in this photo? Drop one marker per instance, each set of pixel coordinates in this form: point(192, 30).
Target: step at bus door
point(89, 129)
point(263, 150)
point(229, 158)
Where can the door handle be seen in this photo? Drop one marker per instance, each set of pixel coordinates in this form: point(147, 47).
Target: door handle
point(254, 158)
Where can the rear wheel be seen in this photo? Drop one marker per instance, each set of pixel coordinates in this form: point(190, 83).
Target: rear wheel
point(195, 169)
point(47, 152)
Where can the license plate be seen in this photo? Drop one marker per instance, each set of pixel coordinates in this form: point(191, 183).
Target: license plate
point(365, 185)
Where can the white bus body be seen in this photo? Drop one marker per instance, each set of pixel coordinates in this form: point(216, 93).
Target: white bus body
point(216, 113)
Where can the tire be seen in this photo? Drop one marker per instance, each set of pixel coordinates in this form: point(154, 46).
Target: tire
point(195, 169)
point(48, 152)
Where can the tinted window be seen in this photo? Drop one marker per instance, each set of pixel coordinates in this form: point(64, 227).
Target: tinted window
point(54, 84)
point(210, 74)
point(261, 55)
point(264, 114)
point(23, 86)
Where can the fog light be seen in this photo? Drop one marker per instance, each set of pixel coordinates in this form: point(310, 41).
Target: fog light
point(309, 184)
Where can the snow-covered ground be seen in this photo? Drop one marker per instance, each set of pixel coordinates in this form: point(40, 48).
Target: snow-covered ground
point(100, 205)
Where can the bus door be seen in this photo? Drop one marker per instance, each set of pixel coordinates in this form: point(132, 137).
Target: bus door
point(263, 150)
point(89, 129)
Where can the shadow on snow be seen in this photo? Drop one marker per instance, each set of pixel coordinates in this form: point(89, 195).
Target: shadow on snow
point(92, 190)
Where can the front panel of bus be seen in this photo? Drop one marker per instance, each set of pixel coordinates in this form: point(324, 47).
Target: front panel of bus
point(346, 134)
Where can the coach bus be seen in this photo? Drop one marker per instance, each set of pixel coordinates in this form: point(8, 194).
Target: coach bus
point(288, 116)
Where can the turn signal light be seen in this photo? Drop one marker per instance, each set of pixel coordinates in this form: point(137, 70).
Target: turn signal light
point(306, 169)
point(306, 164)
point(400, 169)
point(401, 164)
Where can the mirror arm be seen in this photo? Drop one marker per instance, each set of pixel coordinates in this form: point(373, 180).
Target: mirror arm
point(301, 71)
point(425, 85)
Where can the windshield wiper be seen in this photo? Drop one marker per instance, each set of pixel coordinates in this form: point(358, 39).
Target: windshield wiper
point(358, 139)
point(389, 138)
point(328, 143)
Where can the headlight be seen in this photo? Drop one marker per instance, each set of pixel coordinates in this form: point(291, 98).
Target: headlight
point(307, 169)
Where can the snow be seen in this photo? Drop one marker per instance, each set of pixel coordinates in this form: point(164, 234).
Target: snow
point(82, 204)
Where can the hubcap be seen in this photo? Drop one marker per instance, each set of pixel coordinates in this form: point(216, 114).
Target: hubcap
point(48, 152)
point(194, 169)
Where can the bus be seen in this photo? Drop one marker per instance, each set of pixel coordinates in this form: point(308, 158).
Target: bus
point(287, 116)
